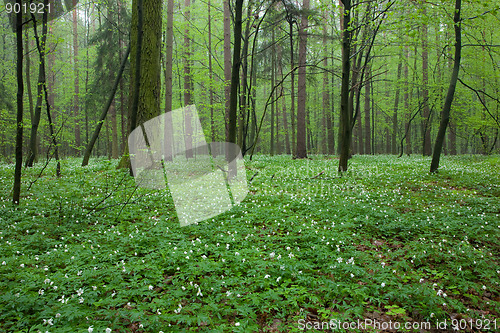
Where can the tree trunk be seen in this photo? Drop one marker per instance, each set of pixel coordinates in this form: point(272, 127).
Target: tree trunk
point(395, 113)
point(144, 101)
point(426, 149)
point(32, 152)
point(19, 119)
point(227, 63)
point(290, 21)
point(93, 140)
point(345, 116)
point(407, 103)
point(188, 82)
point(235, 73)
point(76, 106)
point(169, 41)
point(301, 86)
point(445, 114)
point(211, 77)
point(368, 132)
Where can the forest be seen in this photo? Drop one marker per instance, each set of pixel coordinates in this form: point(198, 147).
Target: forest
point(249, 166)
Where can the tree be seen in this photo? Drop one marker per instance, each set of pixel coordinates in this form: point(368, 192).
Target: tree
point(445, 114)
point(301, 151)
point(345, 114)
point(235, 73)
point(144, 101)
point(19, 121)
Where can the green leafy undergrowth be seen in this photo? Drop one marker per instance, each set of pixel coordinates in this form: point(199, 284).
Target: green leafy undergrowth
point(386, 240)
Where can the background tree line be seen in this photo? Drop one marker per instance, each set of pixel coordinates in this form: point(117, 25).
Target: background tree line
point(273, 76)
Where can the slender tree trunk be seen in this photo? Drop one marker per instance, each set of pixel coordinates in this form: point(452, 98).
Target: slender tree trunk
point(104, 112)
point(301, 86)
point(292, 82)
point(169, 41)
point(227, 63)
point(76, 105)
point(32, 152)
point(427, 148)
point(406, 99)
point(445, 114)
point(279, 56)
point(273, 64)
point(235, 72)
point(395, 113)
point(345, 116)
point(211, 77)
point(188, 81)
point(19, 119)
point(368, 132)
point(326, 123)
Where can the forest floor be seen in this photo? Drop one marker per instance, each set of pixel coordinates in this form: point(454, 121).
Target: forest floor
point(387, 243)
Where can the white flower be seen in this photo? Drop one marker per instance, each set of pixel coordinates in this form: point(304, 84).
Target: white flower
point(41, 291)
point(94, 287)
point(237, 324)
point(339, 260)
point(228, 293)
point(383, 264)
point(178, 309)
point(22, 265)
point(278, 279)
point(91, 329)
point(150, 287)
point(79, 292)
point(236, 253)
point(267, 276)
point(108, 330)
point(382, 284)
point(199, 293)
point(439, 292)
point(272, 254)
point(291, 255)
point(81, 299)
point(484, 287)
point(4, 263)
point(58, 315)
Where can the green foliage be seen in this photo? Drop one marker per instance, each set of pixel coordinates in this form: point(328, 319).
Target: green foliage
point(385, 238)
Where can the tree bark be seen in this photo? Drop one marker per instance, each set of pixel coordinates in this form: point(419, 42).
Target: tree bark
point(188, 82)
point(144, 101)
point(426, 149)
point(235, 73)
point(367, 130)
point(395, 113)
point(345, 116)
point(19, 118)
point(301, 86)
point(76, 102)
point(445, 115)
point(227, 63)
point(32, 152)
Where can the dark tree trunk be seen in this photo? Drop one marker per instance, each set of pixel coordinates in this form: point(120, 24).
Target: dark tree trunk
point(445, 115)
point(345, 115)
point(301, 86)
point(235, 73)
point(19, 120)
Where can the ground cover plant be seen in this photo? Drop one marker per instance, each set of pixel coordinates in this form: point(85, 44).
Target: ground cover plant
point(387, 241)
